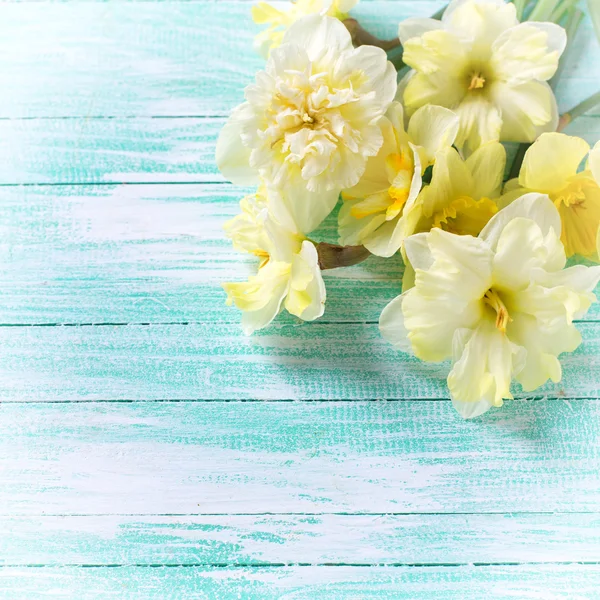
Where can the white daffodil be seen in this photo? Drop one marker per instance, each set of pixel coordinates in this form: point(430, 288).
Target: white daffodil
point(486, 66)
point(288, 272)
point(500, 305)
point(373, 213)
point(311, 120)
point(279, 21)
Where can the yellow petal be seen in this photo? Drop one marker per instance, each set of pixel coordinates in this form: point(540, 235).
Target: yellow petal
point(448, 295)
point(529, 51)
point(436, 50)
point(480, 122)
point(528, 110)
point(433, 128)
point(484, 367)
point(551, 161)
point(487, 168)
point(594, 162)
point(306, 296)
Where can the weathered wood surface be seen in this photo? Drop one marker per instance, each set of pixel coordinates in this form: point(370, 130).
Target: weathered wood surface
point(188, 458)
point(110, 451)
point(242, 540)
point(168, 59)
point(525, 582)
point(217, 361)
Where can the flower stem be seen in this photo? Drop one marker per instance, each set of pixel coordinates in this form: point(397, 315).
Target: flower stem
point(361, 37)
point(542, 10)
point(579, 110)
point(332, 256)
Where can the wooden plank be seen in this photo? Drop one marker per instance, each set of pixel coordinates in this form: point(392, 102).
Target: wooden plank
point(525, 582)
point(183, 458)
point(216, 361)
point(136, 150)
point(171, 59)
point(241, 540)
point(149, 254)
point(146, 253)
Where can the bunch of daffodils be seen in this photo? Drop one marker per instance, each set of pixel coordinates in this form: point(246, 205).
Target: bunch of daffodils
point(406, 153)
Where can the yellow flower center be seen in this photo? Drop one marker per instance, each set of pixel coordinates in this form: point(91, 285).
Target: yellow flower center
point(477, 81)
point(491, 298)
point(465, 215)
point(264, 257)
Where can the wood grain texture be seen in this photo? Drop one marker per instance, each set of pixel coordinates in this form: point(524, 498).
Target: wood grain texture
point(146, 253)
point(240, 540)
point(150, 254)
point(277, 457)
point(525, 582)
point(216, 361)
point(170, 59)
point(137, 150)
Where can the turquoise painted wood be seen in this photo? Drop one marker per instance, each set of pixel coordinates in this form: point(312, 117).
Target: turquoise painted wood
point(166, 59)
point(526, 582)
point(146, 441)
point(225, 458)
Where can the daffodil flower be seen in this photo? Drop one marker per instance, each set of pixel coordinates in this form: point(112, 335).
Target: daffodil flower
point(461, 197)
point(483, 64)
point(288, 272)
point(373, 213)
point(551, 166)
point(279, 21)
point(311, 120)
point(500, 305)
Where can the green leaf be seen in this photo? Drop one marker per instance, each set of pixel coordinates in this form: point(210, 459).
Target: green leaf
point(594, 10)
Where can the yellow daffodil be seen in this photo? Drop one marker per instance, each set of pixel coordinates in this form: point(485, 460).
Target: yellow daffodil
point(500, 305)
point(461, 196)
point(373, 213)
point(311, 120)
point(483, 64)
point(288, 272)
point(551, 166)
point(279, 21)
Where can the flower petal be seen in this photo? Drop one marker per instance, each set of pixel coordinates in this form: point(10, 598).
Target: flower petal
point(537, 207)
point(448, 295)
point(260, 297)
point(485, 362)
point(528, 51)
point(231, 156)
point(528, 110)
point(437, 50)
point(433, 128)
point(391, 325)
point(487, 168)
point(480, 122)
point(416, 27)
point(315, 32)
point(551, 161)
point(301, 207)
point(306, 297)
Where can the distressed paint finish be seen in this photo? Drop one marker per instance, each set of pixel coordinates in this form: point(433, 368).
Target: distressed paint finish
point(524, 582)
point(166, 59)
point(217, 361)
point(225, 458)
point(122, 445)
point(247, 540)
